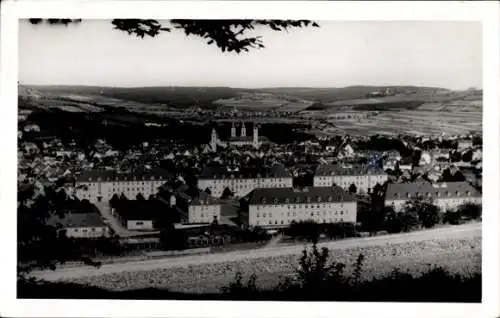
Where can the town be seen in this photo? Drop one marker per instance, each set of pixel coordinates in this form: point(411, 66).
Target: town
point(215, 190)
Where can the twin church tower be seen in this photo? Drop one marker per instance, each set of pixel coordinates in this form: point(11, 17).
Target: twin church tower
point(237, 141)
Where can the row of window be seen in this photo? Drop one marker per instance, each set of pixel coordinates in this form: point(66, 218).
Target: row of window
point(270, 215)
point(357, 177)
point(261, 180)
point(428, 194)
point(330, 220)
point(299, 206)
point(86, 230)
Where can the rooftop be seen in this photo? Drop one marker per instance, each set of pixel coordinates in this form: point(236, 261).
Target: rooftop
point(140, 210)
point(204, 198)
point(73, 220)
point(262, 196)
point(396, 191)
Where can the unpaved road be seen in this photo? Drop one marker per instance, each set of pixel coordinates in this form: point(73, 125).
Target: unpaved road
point(467, 231)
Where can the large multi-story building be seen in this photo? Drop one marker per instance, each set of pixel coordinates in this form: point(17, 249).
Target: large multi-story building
point(446, 195)
point(101, 185)
point(363, 177)
point(244, 180)
point(237, 141)
point(275, 207)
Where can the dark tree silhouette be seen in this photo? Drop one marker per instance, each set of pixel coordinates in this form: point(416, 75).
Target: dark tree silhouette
point(227, 193)
point(227, 35)
point(427, 212)
point(469, 210)
point(353, 188)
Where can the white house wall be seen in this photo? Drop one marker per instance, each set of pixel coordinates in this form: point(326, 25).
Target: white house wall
point(363, 183)
point(444, 204)
point(106, 190)
point(86, 232)
point(139, 225)
point(203, 213)
point(241, 187)
point(284, 214)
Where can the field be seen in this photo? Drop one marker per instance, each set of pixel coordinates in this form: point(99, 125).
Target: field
point(457, 117)
point(458, 249)
point(265, 101)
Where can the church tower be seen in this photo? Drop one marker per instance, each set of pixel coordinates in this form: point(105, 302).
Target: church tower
point(213, 140)
point(233, 131)
point(243, 130)
point(255, 136)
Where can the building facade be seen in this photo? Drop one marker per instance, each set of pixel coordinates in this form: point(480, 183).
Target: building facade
point(204, 209)
point(277, 208)
point(244, 180)
point(363, 177)
point(101, 185)
point(446, 195)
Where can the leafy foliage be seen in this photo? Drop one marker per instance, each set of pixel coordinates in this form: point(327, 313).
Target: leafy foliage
point(425, 212)
point(470, 211)
point(227, 35)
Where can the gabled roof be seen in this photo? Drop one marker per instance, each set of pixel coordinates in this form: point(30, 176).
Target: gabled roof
point(263, 196)
point(204, 198)
point(141, 210)
point(400, 191)
point(74, 220)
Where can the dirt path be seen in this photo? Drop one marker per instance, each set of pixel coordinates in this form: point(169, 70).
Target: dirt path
point(455, 232)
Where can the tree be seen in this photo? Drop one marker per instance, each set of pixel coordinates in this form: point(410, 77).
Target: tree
point(393, 223)
point(114, 200)
point(451, 217)
point(425, 212)
point(353, 188)
point(470, 211)
point(227, 35)
point(227, 193)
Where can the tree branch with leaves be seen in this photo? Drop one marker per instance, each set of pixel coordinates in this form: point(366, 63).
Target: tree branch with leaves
point(227, 35)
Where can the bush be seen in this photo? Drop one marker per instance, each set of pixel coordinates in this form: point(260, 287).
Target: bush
point(451, 217)
point(470, 211)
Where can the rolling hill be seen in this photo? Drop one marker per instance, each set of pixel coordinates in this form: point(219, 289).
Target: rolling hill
point(93, 98)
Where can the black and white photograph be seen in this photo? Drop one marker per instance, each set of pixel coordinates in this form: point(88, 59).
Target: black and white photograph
point(271, 160)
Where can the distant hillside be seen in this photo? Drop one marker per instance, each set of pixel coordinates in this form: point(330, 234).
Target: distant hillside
point(179, 97)
point(327, 95)
point(258, 101)
point(94, 98)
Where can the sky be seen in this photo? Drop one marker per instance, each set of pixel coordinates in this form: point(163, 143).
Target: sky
point(440, 54)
